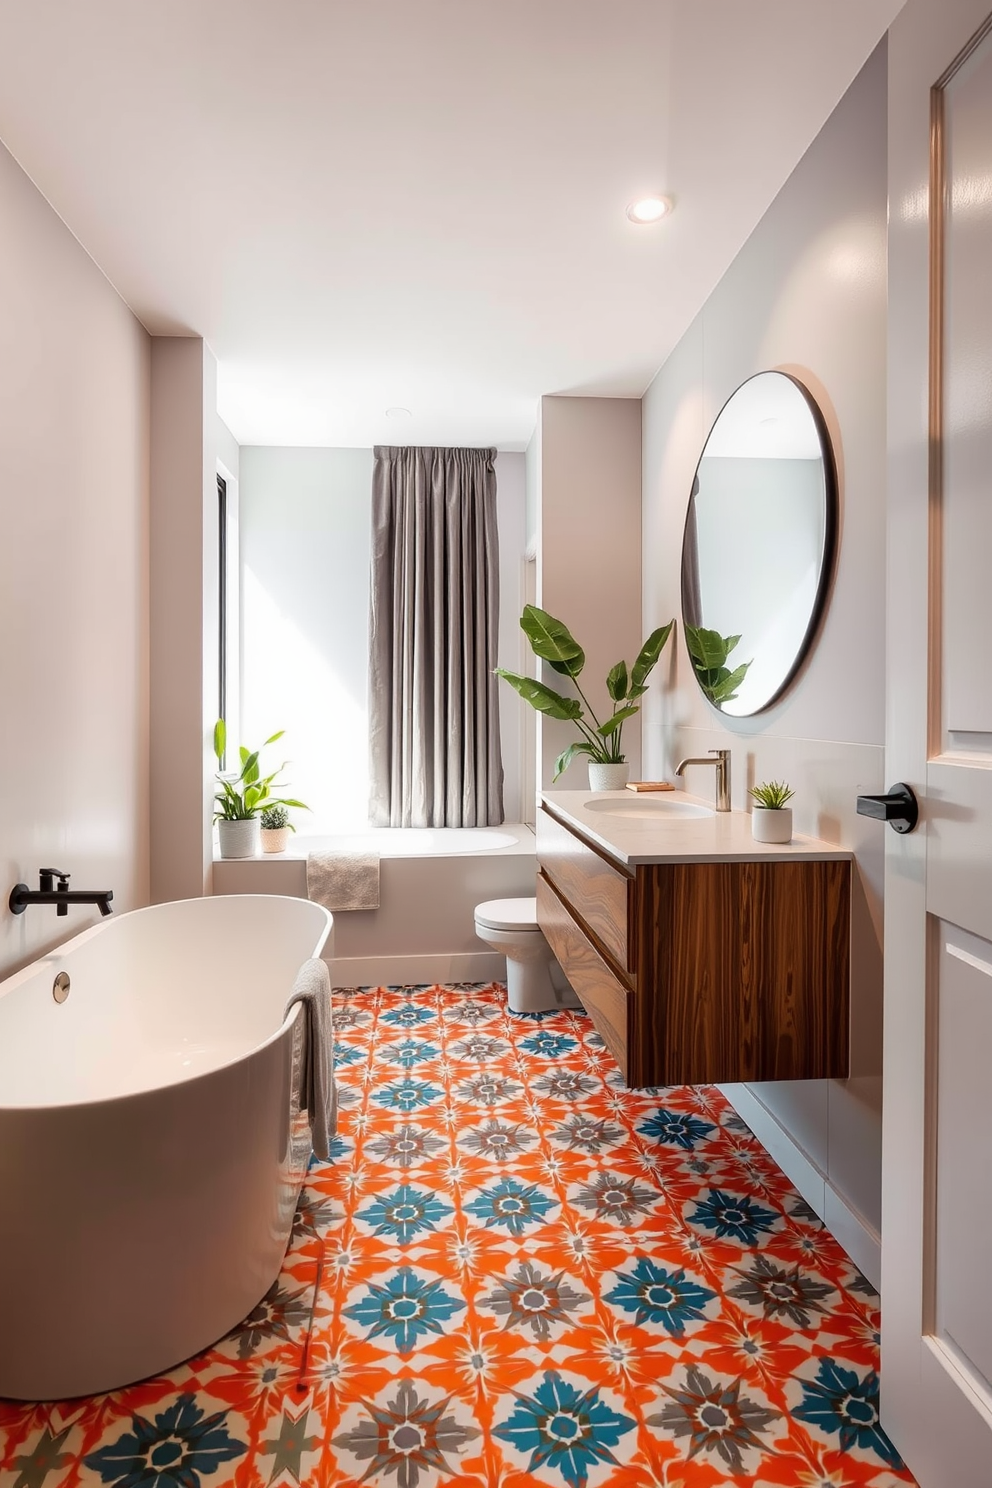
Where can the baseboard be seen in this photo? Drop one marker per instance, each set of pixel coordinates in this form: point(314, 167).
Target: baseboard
point(404, 971)
point(849, 1228)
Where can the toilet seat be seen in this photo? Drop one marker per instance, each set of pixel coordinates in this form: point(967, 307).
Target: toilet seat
point(508, 914)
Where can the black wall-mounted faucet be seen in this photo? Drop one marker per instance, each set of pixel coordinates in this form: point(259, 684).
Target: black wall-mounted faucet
point(46, 893)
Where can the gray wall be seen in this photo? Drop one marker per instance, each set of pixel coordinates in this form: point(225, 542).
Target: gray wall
point(807, 295)
point(74, 453)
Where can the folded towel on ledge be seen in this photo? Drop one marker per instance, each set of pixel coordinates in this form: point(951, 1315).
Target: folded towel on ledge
point(343, 880)
point(318, 1093)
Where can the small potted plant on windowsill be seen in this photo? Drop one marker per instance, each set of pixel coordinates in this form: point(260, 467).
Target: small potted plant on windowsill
point(242, 798)
point(275, 829)
point(771, 817)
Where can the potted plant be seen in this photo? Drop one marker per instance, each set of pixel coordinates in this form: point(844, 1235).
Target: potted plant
point(708, 652)
point(275, 829)
point(771, 817)
point(551, 640)
point(242, 798)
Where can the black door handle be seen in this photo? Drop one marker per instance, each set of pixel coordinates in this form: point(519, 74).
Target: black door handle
point(899, 807)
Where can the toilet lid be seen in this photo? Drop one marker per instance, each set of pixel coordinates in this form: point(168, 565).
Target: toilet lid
point(508, 914)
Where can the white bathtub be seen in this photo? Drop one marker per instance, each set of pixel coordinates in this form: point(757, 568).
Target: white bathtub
point(151, 1148)
point(431, 879)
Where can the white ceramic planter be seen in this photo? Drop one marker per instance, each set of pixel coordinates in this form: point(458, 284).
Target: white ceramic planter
point(274, 839)
point(238, 839)
point(768, 825)
point(608, 777)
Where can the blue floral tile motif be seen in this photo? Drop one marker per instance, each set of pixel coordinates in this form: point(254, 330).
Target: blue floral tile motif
point(347, 1054)
point(843, 1405)
point(563, 1428)
point(549, 1045)
point(405, 1309)
point(510, 1204)
point(405, 1213)
point(173, 1451)
point(409, 1052)
point(732, 1217)
point(407, 1094)
point(676, 1128)
point(655, 1295)
point(337, 1148)
point(408, 1015)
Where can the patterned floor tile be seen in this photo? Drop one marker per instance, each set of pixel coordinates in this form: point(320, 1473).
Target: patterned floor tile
point(513, 1272)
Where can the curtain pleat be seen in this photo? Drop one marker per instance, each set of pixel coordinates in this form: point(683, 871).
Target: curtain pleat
point(434, 618)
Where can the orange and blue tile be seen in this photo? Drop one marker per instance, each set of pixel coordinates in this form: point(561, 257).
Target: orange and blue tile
point(513, 1271)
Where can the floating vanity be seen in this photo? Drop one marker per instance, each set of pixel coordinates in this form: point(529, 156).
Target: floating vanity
point(700, 955)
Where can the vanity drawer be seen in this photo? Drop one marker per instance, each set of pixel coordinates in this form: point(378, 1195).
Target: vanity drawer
point(607, 1001)
point(598, 892)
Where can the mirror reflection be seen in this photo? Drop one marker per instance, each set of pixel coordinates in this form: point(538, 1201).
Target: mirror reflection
point(758, 543)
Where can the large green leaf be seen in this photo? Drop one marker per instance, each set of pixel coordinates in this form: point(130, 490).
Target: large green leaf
point(617, 720)
point(708, 648)
point(725, 690)
point(552, 641)
point(220, 739)
point(543, 698)
point(649, 653)
point(567, 755)
point(616, 681)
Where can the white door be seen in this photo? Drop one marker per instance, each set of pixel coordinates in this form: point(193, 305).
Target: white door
point(937, 1144)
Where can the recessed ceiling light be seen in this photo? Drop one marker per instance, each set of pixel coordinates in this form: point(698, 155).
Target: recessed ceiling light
point(398, 413)
point(649, 209)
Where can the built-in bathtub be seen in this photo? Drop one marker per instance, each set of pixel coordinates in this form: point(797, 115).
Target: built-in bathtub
point(151, 1143)
point(431, 879)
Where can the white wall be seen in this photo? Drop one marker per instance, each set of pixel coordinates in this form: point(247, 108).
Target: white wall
point(305, 549)
point(807, 294)
point(587, 491)
point(74, 450)
point(185, 436)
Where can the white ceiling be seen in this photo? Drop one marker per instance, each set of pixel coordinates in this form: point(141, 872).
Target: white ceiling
point(367, 203)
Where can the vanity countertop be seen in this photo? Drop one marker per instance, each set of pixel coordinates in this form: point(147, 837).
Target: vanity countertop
point(652, 836)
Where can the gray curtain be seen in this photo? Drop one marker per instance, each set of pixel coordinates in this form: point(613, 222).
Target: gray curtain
point(433, 701)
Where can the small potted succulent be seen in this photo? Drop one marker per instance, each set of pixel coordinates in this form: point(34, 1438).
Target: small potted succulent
point(242, 798)
point(771, 816)
point(275, 829)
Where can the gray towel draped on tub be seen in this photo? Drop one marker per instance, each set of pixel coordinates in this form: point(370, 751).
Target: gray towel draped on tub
point(343, 880)
point(318, 1096)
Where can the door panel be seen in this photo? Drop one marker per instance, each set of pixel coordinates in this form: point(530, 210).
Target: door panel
point(966, 519)
point(937, 1112)
point(963, 1298)
point(959, 844)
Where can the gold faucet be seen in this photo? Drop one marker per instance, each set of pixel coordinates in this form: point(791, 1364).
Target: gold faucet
point(722, 762)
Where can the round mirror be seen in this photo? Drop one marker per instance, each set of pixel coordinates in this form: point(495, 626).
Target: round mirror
point(758, 545)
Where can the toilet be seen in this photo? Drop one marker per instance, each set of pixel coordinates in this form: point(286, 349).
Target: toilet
point(535, 983)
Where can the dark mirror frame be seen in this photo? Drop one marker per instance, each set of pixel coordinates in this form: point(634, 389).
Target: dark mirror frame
point(831, 523)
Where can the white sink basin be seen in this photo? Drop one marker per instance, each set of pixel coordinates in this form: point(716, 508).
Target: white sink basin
point(655, 809)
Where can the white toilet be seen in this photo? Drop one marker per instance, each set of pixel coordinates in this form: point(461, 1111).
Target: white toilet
point(535, 983)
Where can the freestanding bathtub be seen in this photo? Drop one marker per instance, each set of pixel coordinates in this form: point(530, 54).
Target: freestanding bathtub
point(151, 1144)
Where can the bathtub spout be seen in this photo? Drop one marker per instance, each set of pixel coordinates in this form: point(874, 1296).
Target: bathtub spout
point(62, 896)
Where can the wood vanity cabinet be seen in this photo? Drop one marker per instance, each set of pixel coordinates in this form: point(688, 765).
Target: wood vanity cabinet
point(702, 972)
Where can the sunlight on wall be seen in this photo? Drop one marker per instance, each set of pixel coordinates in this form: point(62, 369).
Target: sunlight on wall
point(289, 684)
